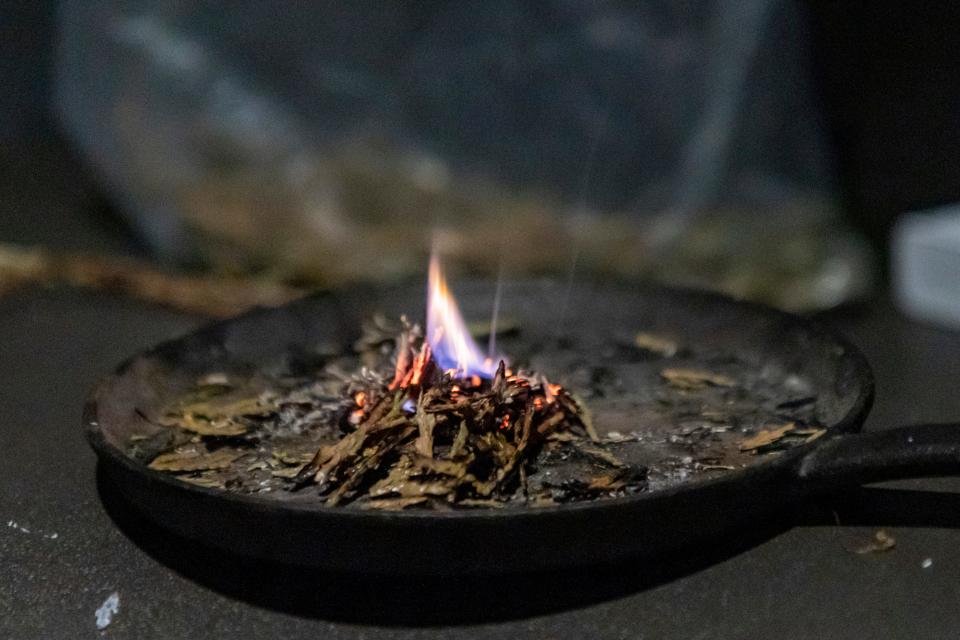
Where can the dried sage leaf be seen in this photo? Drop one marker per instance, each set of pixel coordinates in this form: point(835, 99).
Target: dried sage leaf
point(205, 426)
point(194, 459)
point(766, 437)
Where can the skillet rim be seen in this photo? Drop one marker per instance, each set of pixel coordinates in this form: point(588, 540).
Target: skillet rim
point(851, 422)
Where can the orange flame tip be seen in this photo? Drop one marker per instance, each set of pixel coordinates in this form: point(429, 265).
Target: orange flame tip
point(453, 346)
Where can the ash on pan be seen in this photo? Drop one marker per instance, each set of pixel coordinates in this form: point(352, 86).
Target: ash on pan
point(399, 420)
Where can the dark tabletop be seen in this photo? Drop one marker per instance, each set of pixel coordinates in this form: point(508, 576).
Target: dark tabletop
point(66, 543)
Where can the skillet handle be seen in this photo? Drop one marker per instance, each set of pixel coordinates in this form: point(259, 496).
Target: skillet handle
point(907, 452)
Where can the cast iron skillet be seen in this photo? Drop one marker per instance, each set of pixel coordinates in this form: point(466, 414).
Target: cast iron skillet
point(490, 541)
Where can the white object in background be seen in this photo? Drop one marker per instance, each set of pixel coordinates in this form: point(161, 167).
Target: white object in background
point(925, 265)
point(109, 608)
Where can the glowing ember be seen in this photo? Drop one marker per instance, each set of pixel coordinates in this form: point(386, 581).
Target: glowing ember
point(432, 424)
point(551, 391)
point(435, 440)
point(453, 346)
point(466, 431)
point(420, 364)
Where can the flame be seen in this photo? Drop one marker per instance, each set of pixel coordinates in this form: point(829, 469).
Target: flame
point(453, 346)
point(552, 391)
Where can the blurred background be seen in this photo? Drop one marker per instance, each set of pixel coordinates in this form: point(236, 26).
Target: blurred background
point(244, 152)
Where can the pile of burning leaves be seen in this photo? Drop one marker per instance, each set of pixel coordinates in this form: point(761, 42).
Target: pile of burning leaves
point(400, 432)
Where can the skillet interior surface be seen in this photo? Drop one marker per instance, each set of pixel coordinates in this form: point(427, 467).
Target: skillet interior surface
point(584, 337)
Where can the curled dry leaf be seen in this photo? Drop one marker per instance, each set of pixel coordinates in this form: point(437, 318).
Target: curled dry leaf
point(880, 542)
point(769, 439)
point(766, 437)
point(206, 426)
point(219, 415)
point(208, 295)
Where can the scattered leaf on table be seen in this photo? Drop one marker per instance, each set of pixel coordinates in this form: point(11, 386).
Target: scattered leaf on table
point(880, 542)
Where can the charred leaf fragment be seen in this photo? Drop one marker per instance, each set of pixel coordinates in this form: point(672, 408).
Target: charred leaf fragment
point(217, 414)
point(693, 379)
point(768, 440)
point(194, 458)
point(626, 480)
